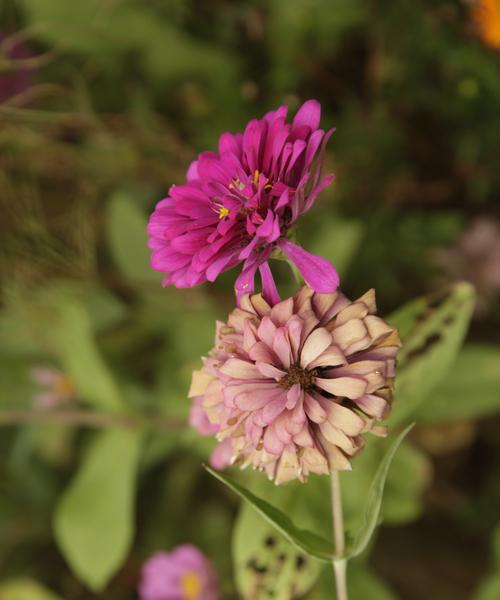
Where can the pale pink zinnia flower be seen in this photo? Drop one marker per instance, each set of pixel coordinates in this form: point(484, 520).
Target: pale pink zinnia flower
point(56, 388)
point(239, 204)
point(183, 574)
point(294, 386)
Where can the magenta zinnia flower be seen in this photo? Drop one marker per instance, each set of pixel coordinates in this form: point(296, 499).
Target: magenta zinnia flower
point(183, 574)
point(239, 204)
point(294, 386)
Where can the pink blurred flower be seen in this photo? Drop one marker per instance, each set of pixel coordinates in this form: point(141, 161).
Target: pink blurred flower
point(56, 388)
point(182, 574)
point(475, 257)
point(294, 386)
point(17, 80)
point(239, 204)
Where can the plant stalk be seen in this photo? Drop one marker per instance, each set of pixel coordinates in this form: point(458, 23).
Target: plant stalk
point(339, 563)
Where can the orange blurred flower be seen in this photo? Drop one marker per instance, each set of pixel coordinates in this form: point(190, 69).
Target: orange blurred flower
point(486, 13)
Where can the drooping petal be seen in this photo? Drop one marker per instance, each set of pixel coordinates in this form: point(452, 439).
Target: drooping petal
point(269, 289)
point(317, 272)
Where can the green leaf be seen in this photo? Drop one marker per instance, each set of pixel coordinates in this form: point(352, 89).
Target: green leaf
point(402, 494)
point(496, 546)
point(362, 584)
point(471, 390)
point(128, 240)
point(432, 332)
point(81, 359)
point(25, 589)
point(94, 520)
point(265, 564)
point(338, 239)
point(307, 541)
point(74, 27)
point(374, 500)
point(489, 589)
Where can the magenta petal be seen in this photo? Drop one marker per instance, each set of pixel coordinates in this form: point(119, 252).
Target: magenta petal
point(192, 173)
point(245, 283)
point(317, 272)
point(269, 289)
point(309, 114)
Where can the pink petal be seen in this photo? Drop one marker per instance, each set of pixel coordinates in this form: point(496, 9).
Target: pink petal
point(269, 371)
point(221, 455)
point(317, 272)
point(293, 395)
point(281, 346)
point(282, 312)
point(256, 399)
point(273, 409)
point(240, 369)
point(272, 444)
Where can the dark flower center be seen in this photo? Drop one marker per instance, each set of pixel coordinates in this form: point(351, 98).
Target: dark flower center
point(297, 374)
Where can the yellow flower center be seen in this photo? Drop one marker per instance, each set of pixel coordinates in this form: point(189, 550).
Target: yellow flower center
point(191, 585)
point(64, 386)
point(256, 176)
point(223, 212)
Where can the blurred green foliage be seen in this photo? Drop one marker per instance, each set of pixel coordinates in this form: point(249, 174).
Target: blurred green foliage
point(122, 94)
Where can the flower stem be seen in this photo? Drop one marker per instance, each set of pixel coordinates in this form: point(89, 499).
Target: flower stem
point(339, 563)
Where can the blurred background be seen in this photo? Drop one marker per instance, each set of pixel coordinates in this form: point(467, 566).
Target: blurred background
point(103, 104)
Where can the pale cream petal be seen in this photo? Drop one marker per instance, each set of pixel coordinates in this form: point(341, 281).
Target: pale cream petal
point(368, 298)
point(337, 460)
point(345, 419)
point(316, 343)
point(302, 300)
point(312, 461)
point(246, 304)
point(349, 333)
point(331, 357)
point(356, 310)
point(339, 303)
point(260, 306)
point(288, 466)
point(373, 405)
point(337, 437)
point(314, 410)
point(238, 317)
point(199, 383)
point(377, 328)
point(350, 387)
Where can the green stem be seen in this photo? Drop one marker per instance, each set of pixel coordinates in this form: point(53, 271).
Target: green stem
point(296, 273)
point(339, 563)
